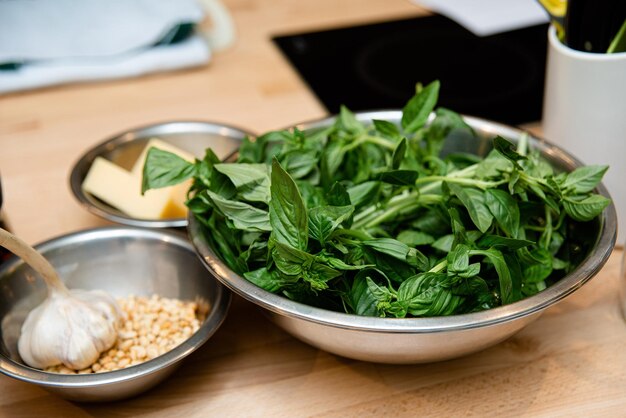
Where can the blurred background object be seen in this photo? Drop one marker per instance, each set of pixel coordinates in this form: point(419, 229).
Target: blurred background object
point(618, 44)
point(591, 26)
point(219, 31)
point(556, 10)
point(488, 17)
point(46, 43)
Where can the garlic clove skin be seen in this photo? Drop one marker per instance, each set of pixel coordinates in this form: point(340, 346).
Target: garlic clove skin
point(70, 328)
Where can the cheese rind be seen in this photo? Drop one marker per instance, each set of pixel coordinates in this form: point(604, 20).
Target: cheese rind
point(178, 197)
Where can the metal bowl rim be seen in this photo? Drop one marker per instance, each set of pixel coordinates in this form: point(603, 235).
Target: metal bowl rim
point(86, 159)
point(283, 306)
point(219, 308)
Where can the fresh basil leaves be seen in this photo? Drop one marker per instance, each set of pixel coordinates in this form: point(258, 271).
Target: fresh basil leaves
point(370, 219)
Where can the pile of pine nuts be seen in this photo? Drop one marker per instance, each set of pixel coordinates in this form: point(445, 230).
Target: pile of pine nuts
point(152, 326)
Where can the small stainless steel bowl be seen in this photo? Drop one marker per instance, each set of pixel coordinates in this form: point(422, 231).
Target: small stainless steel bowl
point(419, 340)
point(123, 149)
point(121, 261)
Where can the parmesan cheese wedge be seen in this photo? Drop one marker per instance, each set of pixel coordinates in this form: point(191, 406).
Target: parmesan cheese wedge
point(122, 189)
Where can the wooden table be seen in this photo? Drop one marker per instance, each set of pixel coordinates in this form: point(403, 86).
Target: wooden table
point(571, 362)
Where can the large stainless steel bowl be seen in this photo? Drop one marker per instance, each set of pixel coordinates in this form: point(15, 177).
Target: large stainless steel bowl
point(124, 148)
point(121, 261)
point(415, 340)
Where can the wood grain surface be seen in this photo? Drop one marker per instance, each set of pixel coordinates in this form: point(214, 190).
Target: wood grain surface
point(571, 362)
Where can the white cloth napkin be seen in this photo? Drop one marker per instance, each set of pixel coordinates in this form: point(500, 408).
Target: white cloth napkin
point(62, 41)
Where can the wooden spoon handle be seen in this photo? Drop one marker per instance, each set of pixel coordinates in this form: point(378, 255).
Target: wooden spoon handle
point(33, 259)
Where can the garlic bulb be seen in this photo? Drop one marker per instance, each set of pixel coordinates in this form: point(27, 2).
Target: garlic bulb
point(70, 327)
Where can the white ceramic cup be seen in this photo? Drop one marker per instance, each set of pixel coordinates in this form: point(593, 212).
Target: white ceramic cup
point(585, 112)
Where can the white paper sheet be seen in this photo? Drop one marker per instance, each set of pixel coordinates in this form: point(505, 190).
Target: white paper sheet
point(488, 17)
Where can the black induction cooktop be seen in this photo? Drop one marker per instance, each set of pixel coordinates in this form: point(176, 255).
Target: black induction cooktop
point(376, 66)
